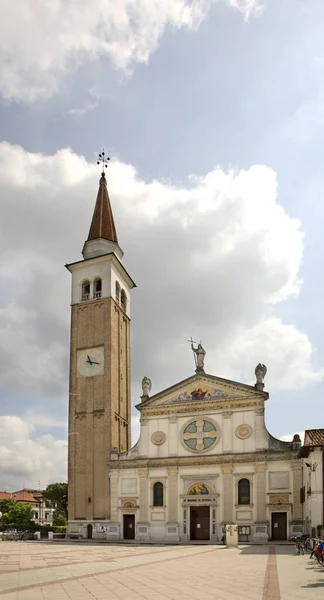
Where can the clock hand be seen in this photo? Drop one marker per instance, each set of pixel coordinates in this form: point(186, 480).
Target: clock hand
point(94, 362)
point(89, 360)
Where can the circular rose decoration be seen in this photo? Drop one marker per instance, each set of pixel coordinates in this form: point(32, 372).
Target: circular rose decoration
point(158, 438)
point(243, 432)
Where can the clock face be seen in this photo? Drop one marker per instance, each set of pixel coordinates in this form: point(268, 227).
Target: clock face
point(90, 362)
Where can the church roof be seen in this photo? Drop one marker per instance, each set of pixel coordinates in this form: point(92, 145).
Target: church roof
point(314, 437)
point(202, 388)
point(102, 224)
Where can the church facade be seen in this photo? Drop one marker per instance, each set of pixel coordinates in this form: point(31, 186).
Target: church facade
point(204, 457)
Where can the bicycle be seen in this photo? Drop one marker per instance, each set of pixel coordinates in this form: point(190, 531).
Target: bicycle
point(300, 546)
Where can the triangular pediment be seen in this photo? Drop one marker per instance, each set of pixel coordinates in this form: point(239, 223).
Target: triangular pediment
point(202, 388)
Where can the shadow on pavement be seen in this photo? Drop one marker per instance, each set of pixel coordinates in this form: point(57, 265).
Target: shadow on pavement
point(313, 585)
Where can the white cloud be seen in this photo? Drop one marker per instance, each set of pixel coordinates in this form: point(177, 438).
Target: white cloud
point(43, 41)
point(26, 461)
point(83, 110)
point(289, 437)
point(247, 7)
point(228, 252)
point(213, 258)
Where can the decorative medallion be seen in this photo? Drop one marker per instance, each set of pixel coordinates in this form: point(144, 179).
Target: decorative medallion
point(200, 435)
point(158, 438)
point(243, 432)
point(199, 488)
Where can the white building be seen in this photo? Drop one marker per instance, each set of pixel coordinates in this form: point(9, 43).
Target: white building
point(312, 493)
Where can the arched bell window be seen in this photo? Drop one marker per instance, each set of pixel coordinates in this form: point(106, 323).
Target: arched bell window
point(244, 491)
point(97, 288)
point(123, 300)
point(158, 494)
point(85, 294)
point(117, 292)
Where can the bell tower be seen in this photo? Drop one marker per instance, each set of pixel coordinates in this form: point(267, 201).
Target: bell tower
point(99, 394)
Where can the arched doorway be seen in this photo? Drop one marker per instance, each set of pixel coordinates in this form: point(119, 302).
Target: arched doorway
point(89, 532)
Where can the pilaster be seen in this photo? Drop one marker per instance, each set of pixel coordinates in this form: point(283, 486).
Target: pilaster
point(260, 441)
point(228, 501)
point(143, 495)
point(113, 476)
point(296, 466)
point(172, 495)
point(144, 439)
point(260, 471)
point(173, 437)
point(227, 436)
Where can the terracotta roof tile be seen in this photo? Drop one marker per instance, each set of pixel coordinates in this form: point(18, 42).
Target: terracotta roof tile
point(315, 437)
point(102, 225)
point(5, 495)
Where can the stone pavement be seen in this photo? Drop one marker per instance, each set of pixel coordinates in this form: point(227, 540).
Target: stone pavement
point(89, 571)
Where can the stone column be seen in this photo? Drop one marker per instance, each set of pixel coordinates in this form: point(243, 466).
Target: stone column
point(173, 500)
point(260, 429)
point(227, 436)
point(173, 435)
point(228, 500)
point(114, 496)
point(260, 528)
point(297, 514)
point(260, 492)
point(143, 495)
point(144, 438)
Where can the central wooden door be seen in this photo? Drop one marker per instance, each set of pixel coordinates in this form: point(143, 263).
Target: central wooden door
point(129, 527)
point(199, 523)
point(279, 526)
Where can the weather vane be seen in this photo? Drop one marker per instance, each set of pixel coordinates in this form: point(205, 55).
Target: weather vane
point(103, 160)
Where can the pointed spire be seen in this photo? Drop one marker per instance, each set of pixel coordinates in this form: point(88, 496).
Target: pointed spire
point(103, 225)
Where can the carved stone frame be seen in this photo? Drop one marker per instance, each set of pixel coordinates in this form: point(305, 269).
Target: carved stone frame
point(154, 480)
point(238, 477)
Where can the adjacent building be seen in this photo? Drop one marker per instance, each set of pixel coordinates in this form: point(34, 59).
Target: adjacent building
point(43, 514)
point(312, 492)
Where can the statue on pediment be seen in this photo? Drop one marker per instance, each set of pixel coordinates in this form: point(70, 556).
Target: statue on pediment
point(260, 373)
point(146, 386)
point(199, 354)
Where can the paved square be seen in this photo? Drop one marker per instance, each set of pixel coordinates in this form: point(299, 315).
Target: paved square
point(89, 571)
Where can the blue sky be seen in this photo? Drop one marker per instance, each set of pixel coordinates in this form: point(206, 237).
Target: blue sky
point(188, 98)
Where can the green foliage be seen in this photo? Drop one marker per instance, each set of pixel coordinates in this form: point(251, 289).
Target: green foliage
point(44, 529)
point(5, 504)
point(59, 518)
point(19, 512)
point(57, 495)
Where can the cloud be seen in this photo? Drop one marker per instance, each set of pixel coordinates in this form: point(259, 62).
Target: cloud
point(80, 112)
point(45, 41)
point(247, 7)
point(289, 436)
point(213, 257)
point(26, 461)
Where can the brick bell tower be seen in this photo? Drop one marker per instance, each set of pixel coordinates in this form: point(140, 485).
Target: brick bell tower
point(99, 396)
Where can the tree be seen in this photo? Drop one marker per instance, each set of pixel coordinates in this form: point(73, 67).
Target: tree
point(57, 495)
point(59, 518)
point(5, 504)
point(19, 512)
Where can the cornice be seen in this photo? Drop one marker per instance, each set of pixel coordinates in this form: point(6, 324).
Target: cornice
point(192, 461)
point(200, 407)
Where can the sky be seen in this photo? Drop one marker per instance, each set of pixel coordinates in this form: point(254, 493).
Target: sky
point(212, 112)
